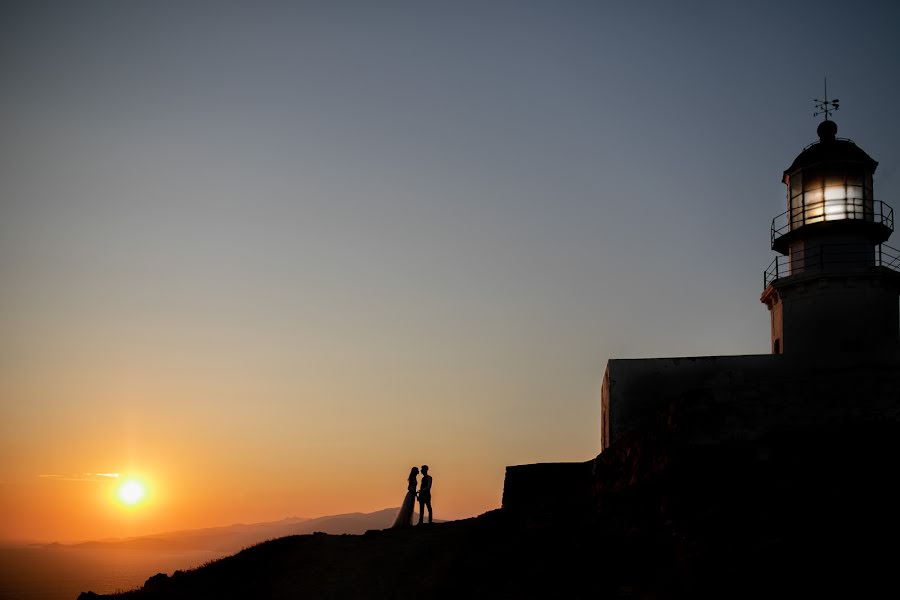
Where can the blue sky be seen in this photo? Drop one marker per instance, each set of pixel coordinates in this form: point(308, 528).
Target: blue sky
point(394, 230)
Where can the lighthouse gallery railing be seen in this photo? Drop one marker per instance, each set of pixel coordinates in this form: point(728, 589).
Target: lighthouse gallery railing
point(832, 258)
point(843, 209)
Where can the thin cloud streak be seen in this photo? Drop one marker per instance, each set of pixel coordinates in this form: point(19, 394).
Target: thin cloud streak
point(83, 477)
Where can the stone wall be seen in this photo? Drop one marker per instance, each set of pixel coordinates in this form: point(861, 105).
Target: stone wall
point(707, 403)
point(547, 488)
point(736, 397)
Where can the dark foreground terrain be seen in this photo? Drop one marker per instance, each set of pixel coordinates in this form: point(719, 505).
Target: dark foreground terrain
point(801, 514)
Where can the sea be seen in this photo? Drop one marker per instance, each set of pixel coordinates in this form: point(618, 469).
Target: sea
point(62, 573)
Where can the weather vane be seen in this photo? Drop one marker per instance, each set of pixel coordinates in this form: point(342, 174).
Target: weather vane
point(826, 106)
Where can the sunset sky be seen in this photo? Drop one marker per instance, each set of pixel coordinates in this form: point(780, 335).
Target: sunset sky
point(263, 257)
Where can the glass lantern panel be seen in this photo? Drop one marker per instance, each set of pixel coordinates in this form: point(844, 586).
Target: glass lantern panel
point(835, 210)
point(855, 177)
point(856, 208)
point(796, 184)
point(796, 212)
point(812, 180)
point(814, 206)
point(835, 192)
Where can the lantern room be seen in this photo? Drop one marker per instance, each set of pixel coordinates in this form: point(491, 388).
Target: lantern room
point(829, 186)
point(835, 286)
point(830, 181)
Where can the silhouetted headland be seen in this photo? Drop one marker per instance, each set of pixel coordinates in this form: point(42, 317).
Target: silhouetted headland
point(654, 517)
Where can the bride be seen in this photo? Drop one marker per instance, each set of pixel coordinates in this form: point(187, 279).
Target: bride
point(405, 516)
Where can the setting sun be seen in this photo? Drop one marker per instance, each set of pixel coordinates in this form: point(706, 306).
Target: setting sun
point(131, 492)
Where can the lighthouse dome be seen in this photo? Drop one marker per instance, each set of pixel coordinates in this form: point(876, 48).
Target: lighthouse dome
point(830, 150)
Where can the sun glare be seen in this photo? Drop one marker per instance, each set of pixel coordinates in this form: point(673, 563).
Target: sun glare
point(131, 492)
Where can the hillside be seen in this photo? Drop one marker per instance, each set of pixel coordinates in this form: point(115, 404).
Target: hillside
point(806, 513)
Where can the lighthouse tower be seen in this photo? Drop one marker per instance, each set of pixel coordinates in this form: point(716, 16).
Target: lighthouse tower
point(834, 288)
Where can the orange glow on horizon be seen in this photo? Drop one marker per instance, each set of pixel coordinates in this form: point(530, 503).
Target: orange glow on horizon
point(70, 507)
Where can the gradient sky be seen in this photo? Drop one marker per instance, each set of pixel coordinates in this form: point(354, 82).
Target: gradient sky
point(266, 256)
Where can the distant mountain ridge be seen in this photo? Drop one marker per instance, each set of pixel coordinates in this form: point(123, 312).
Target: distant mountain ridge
point(231, 538)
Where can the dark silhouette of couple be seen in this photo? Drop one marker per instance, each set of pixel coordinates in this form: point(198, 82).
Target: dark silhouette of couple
point(405, 516)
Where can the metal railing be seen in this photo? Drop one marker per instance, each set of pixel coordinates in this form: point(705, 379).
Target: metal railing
point(811, 144)
point(850, 209)
point(832, 258)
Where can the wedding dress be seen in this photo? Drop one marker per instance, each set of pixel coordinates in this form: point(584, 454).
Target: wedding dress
point(405, 516)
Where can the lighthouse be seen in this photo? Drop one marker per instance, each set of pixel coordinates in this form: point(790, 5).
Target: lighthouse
point(833, 294)
point(834, 287)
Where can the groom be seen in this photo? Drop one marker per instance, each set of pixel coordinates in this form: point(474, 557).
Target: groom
point(425, 494)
